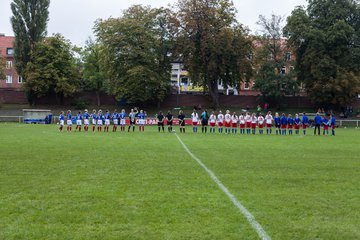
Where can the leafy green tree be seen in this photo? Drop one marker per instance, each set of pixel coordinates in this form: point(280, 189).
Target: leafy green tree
point(52, 69)
point(94, 77)
point(273, 61)
point(213, 45)
point(135, 53)
point(326, 37)
point(29, 22)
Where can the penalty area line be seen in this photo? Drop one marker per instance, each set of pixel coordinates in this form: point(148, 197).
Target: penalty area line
point(249, 217)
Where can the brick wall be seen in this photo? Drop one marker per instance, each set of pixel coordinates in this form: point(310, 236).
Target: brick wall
point(14, 96)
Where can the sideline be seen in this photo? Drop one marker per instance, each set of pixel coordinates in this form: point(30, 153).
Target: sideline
point(250, 218)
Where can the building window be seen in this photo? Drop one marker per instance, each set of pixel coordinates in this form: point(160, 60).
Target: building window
point(20, 80)
point(8, 64)
point(246, 86)
point(174, 76)
point(8, 79)
point(10, 51)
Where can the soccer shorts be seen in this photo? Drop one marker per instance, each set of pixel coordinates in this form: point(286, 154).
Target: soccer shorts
point(61, 122)
point(69, 122)
point(99, 122)
point(122, 121)
point(78, 122)
point(94, 121)
point(107, 121)
point(141, 121)
point(116, 122)
point(86, 122)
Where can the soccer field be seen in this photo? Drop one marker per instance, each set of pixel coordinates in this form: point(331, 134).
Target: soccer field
point(147, 186)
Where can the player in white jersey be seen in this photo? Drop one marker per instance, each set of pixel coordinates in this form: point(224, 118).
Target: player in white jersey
point(212, 121)
point(195, 120)
point(220, 121)
point(261, 121)
point(248, 123)
point(234, 122)
point(227, 121)
point(242, 123)
point(253, 123)
point(269, 121)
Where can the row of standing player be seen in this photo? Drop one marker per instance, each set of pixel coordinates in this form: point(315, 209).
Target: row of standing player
point(230, 122)
point(249, 122)
point(100, 119)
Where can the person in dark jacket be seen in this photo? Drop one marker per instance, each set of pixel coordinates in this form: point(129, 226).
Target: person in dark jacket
point(317, 122)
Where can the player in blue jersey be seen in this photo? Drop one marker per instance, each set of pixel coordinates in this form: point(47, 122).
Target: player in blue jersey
point(61, 121)
point(100, 120)
point(69, 121)
point(297, 123)
point(122, 117)
point(290, 121)
point(332, 124)
point(141, 117)
point(305, 122)
point(107, 121)
point(115, 119)
point(94, 120)
point(86, 120)
point(283, 123)
point(277, 124)
point(79, 118)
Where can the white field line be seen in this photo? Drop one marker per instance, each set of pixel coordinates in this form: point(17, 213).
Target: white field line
point(251, 219)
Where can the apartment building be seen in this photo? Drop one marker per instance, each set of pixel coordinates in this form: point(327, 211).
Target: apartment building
point(12, 79)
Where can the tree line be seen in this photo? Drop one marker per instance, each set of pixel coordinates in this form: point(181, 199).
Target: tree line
point(132, 54)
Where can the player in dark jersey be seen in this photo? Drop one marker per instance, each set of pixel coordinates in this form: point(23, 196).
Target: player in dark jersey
point(160, 120)
point(169, 119)
point(181, 118)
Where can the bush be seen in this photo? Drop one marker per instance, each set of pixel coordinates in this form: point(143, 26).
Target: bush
point(80, 104)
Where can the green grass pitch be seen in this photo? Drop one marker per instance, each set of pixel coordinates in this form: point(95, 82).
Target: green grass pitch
point(146, 186)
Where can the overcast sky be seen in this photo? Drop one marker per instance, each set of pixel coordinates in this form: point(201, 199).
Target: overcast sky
point(75, 18)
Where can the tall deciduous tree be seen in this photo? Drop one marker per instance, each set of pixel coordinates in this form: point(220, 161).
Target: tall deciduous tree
point(52, 69)
point(326, 37)
point(213, 45)
point(135, 55)
point(273, 59)
point(29, 22)
point(94, 77)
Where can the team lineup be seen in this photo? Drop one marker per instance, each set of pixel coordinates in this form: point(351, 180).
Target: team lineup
point(247, 123)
